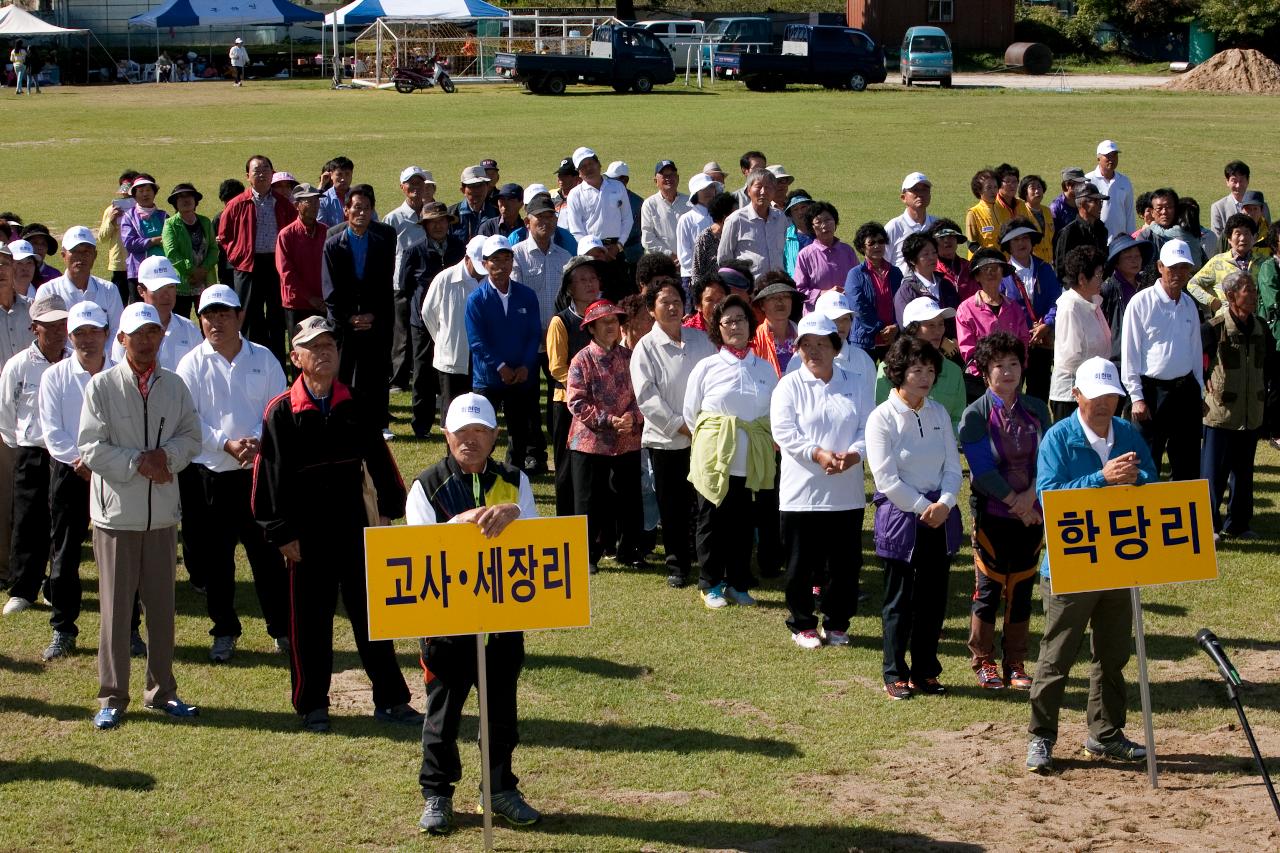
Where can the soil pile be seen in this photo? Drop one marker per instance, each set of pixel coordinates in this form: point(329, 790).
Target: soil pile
point(1237, 71)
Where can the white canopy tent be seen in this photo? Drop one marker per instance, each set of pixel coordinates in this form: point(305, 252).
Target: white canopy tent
point(19, 23)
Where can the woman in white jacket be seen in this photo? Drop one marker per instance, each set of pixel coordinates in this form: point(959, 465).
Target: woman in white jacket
point(818, 414)
point(1081, 330)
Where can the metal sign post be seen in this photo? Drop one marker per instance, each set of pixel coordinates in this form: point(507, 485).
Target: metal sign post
point(486, 784)
point(1144, 688)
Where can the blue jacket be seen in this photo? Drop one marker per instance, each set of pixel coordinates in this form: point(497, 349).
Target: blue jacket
point(860, 287)
point(497, 337)
point(1044, 304)
point(1066, 461)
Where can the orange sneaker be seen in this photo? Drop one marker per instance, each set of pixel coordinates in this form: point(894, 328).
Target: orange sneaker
point(989, 677)
point(1018, 678)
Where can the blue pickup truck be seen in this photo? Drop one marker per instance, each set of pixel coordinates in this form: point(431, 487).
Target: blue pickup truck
point(835, 57)
point(626, 58)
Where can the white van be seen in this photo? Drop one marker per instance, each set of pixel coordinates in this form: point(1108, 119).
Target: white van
point(677, 36)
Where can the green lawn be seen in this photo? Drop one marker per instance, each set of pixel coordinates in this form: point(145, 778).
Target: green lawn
point(664, 726)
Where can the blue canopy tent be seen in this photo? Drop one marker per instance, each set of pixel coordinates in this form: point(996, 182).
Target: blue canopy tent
point(231, 13)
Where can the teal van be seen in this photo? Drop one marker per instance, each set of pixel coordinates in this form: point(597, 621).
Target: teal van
point(925, 56)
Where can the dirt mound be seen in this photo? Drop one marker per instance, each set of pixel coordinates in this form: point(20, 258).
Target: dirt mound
point(1239, 71)
point(970, 785)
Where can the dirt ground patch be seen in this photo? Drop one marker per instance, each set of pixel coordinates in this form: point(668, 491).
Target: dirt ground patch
point(350, 690)
point(1242, 71)
point(970, 786)
point(670, 798)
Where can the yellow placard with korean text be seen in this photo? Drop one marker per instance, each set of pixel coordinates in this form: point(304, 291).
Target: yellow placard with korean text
point(1129, 536)
point(438, 580)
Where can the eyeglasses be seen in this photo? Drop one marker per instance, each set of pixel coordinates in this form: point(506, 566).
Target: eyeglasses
point(730, 322)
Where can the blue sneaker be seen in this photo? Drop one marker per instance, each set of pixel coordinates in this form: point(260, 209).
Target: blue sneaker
point(176, 708)
point(107, 718)
point(740, 596)
point(511, 806)
point(714, 598)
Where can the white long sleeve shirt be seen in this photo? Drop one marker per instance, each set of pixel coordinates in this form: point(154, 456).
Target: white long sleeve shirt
point(898, 229)
point(692, 222)
point(103, 293)
point(660, 370)
point(758, 240)
point(19, 390)
point(725, 384)
point(603, 212)
point(409, 232)
point(1081, 333)
point(59, 401)
point(1160, 338)
point(230, 397)
point(913, 453)
point(542, 272)
point(180, 338)
point(658, 220)
point(806, 414)
point(1118, 212)
point(444, 313)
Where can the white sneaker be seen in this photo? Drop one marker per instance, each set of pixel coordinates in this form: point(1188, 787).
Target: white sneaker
point(740, 597)
point(714, 598)
point(16, 605)
point(388, 435)
point(837, 638)
point(807, 639)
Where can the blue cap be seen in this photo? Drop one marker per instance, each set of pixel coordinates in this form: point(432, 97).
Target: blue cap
point(662, 164)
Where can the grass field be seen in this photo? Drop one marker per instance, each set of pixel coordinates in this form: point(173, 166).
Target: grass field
point(664, 726)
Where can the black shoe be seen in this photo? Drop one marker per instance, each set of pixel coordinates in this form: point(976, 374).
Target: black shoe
point(137, 648)
point(403, 714)
point(930, 687)
point(593, 568)
point(316, 721)
point(677, 581)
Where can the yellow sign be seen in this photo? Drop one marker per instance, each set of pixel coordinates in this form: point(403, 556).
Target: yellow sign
point(1126, 536)
point(440, 579)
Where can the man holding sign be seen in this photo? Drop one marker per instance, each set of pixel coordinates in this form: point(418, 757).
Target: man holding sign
point(468, 486)
point(1090, 449)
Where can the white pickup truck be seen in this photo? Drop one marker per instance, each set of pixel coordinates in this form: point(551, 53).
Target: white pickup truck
point(681, 38)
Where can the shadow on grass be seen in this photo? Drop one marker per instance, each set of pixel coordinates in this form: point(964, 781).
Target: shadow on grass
point(8, 664)
point(742, 835)
point(586, 665)
point(82, 773)
point(607, 737)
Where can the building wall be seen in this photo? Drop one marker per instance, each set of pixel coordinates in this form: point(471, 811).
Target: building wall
point(977, 24)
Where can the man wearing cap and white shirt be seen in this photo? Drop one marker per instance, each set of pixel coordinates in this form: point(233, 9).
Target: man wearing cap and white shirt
point(444, 318)
point(419, 188)
point(475, 207)
point(598, 205)
point(1160, 353)
point(138, 429)
point(757, 233)
point(15, 336)
point(504, 332)
point(316, 442)
point(60, 400)
point(232, 381)
point(661, 212)
point(239, 60)
point(917, 193)
point(538, 260)
point(299, 258)
point(1118, 211)
point(695, 220)
point(468, 486)
point(422, 263)
point(158, 286)
point(78, 283)
point(1086, 450)
point(20, 430)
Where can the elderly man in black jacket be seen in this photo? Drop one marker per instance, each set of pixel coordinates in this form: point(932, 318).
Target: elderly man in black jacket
point(359, 263)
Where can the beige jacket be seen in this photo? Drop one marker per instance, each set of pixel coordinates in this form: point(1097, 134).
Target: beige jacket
point(116, 426)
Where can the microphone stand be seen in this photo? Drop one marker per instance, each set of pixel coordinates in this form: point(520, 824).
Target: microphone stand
point(1233, 692)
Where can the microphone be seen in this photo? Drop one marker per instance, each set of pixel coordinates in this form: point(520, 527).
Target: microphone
point(1209, 642)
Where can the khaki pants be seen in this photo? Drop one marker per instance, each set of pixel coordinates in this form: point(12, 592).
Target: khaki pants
point(135, 563)
point(6, 507)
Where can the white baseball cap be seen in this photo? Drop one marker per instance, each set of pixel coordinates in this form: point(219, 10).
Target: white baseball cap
point(618, 169)
point(86, 313)
point(533, 190)
point(582, 153)
point(700, 182)
point(218, 294)
point(587, 243)
point(77, 235)
point(1108, 146)
point(475, 175)
point(416, 172)
point(156, 272)
point(493, 244)
point(834, 304)
point(1097, 377)
point(21, 250)
point(815, 323)
point(468, 410)
point(779, 172)
point(1176, 252)
point(311, 328)
point(239, 40)
point(138, 315)
point(915, 179)
point(475, 252)
point(924, 309)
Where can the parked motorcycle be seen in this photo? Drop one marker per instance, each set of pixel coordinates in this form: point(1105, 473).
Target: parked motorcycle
point(408, 79)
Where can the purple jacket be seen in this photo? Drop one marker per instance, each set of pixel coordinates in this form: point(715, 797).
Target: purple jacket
point(895, 530)
point(134, 238)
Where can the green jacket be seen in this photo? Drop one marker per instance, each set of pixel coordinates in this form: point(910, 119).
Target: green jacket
point(1268, 282)
point(177, 248)
point(1235, 380)
point(715, 440)
point(948, 390)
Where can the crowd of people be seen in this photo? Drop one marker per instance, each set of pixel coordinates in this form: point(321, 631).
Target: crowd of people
point(718, 367)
